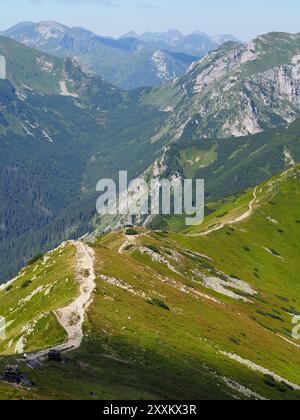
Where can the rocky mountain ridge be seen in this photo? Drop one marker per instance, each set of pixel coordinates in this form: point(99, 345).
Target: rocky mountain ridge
point(236, 90)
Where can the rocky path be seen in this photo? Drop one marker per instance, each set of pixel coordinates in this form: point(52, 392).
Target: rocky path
point(72, 317)
point(234, 221)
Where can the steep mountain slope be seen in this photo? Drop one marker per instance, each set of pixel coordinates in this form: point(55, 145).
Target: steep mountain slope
point(206, 314)
point(128, 62)
point(235, 90)
point(228, 166)
point(63, 126)
point(29, 307)
point(61, 130)
point(232, 165)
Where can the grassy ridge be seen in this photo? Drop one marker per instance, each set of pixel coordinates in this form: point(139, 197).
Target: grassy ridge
point(156, 329)
point(28, 303)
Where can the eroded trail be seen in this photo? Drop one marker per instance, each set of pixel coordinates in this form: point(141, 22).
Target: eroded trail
point(234, 221)
point(72, 317)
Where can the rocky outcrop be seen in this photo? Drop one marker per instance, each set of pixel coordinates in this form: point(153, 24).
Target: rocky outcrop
point(238, 90)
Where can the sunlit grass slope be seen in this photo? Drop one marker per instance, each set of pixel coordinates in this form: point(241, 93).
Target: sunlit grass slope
point(191, 316)
point(28, 302)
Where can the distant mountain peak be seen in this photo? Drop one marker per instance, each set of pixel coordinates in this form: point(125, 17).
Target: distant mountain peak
point(174, 32)
point(121, 61)
point(51, 24)
point(247, 98)
point(197, 43)
point(222, 38)
point(201, 33)
point(51, 29)
point(131, 34)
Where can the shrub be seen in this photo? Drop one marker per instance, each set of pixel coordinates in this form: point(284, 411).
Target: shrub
point(234, 340)
point(276, 312)
point(219, 216)
point(281, 387)
point(270, 315)
point(153, 248)
point(274, 252)
point(158, 302)
point(131, 232)
point(283, 298)
point(25, 284)
point(158, 223)
point(269, 380)
point(291, 311)
point(276, 317)
point(128, 247)
point(259, 298)
point(35, 259)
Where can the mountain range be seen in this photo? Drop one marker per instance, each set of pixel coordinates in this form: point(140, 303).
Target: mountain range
point(157, 310)
point(235, 90)
point(197, 43)
point(53, 108)
point(128, 62)
point(59, 126)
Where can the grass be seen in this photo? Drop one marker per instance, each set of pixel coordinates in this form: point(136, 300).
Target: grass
point(28, 303)
point(172, 348)
point(192, 159)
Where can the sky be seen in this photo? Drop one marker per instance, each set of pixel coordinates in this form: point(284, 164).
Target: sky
point(243, 18)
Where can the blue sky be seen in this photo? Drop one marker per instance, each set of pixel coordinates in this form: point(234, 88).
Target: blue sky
point(244, 18)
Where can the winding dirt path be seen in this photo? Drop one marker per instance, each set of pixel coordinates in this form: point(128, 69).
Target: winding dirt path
point(72, 317)
point(234, 221)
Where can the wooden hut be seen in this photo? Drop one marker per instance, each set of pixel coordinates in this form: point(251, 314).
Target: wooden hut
point(12, 374)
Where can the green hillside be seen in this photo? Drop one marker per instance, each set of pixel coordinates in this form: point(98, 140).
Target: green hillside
point(204, 314)
point(61, 130)
point(28, 302)
point(232, 165)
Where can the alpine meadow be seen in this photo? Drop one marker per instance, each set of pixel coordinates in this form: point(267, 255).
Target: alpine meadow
point(113, 305)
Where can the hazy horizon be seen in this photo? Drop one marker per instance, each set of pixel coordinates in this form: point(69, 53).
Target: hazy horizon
point(114, 18)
